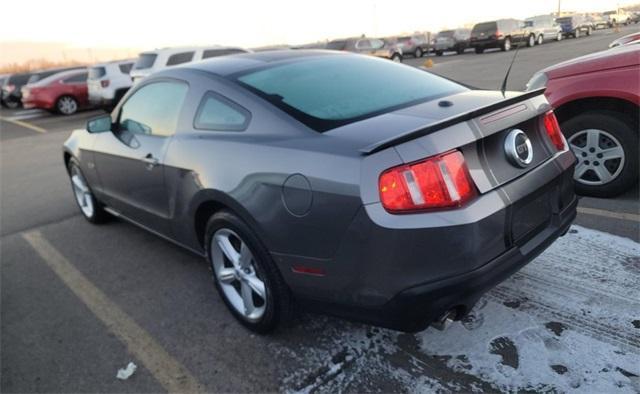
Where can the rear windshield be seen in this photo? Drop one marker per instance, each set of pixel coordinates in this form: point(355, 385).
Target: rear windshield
point(564, 19)
point(328, 92)
point(446, 33)
point(97, 72)
point(337, 45)
point(145, 60)
point(207, 53)
point(18, 79)
point(125, 68)
point(404, 39)
point(487, 27)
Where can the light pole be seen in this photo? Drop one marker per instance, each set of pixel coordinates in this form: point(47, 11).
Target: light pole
point(559, 8)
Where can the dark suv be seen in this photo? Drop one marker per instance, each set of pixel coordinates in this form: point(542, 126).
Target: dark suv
point(501, 34)
point(452, 40)
point(574, 26)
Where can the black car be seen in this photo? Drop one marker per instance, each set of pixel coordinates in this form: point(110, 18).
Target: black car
point(501, 34)
point(452, 40)
point(11, 89)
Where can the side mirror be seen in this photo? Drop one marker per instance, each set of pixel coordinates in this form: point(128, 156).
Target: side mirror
point(100, 124)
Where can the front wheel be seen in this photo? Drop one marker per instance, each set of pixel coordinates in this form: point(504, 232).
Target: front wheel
point(396, 58)
point(589, 31)
point(439, 53)
point(606, 146)
point(576, 34)
point(245, 275)
point(11, 104)
point(531, 41)
point(506, 45)
point(89, 206)
point(479, 50)
point(418, 52)
point(67, 105)
point(540, 39)
point(559, 36)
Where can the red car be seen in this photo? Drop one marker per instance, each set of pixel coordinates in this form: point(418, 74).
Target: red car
point(64, 92)
point(597, 102)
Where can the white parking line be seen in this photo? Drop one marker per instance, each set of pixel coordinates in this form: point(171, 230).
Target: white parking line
point(609, 214)
point(24, 124)
point(28, 114)
point(172, 375)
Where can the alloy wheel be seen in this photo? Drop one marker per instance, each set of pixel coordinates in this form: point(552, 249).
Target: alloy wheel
point(540, 39)
point(507, 44)
point(532, 41)
point(559, 37)
point(600, 156)
point(235, 270)
point(82, 192)
point(67, 105)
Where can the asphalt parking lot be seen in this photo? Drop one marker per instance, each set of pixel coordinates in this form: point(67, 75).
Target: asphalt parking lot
point(79, 301)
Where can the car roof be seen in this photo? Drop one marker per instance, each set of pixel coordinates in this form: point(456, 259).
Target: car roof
point(227, 65)
point(113, 62)
point(182, 49)
point(59, 75)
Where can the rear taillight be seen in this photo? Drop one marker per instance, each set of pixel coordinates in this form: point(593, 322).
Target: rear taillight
point(553, 131)
point(498, 34)
point(104, 83)
point(438, 182)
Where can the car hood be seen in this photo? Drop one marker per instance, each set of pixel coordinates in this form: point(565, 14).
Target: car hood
point(611, 58)
point(392, 124)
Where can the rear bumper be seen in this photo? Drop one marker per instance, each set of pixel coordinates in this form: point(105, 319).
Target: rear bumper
point(35, 102)
point(405, 272)
point(486, 43)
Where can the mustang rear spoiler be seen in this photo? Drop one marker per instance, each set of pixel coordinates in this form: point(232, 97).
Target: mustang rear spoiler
point(444, 123)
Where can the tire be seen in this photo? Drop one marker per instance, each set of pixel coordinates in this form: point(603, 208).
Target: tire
point(418, 53)
point(479, 50)
point(397, 58)
point(589, 31)
point(506, 45)
point(66, 105)
point(559, 36)
point(231, 280)
point(11, 104)
point(612, 129)
point(460, 50)
point(90, 208)
point(531, 41)
point(439, 53)
point(576, 33)
point(540, 40)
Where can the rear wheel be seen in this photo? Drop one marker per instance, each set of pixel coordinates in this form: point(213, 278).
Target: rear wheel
point(67, 105)
point(479, 50)
point(396, 58)
point(11, 104)
point(506, 45)
point(559, 36)
point(576, 34)
point(589, 30)
point(460, 50)
point(418, 52)
point(606, 147)
point(439, 53)
point(245, 275)
point(540, 39)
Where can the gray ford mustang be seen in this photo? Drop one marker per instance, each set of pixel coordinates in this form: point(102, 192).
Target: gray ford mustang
point(353, 185)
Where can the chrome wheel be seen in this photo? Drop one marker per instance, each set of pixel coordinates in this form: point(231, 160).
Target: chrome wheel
point(559, 37)
point(532, 41)
point(235, 270)
point(507, 44)
point(600, 156)
point(540, 39)
point(82, 192)
point(67, 105)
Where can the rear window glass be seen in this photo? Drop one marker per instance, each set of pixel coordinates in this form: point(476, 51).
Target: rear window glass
point(145, 60)
point(125, 68)
point(82, 77)
point(219, 113)
point(564, 19)
point(486, 27)
point(180, 58)
point(337, 45)
point(331, 91)
point(97, 72)
point(220, 52)
point(19, 79)
point(446, 33)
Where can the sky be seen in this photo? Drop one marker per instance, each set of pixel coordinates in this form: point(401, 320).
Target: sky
point(75, 28)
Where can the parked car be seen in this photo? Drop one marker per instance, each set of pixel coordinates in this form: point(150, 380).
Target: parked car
point(617, 17)
point(456, 40)
point(152, 61)
point(544, 28)
point(597, 101)
point(11, 96)
point(65, 92)
point(503, 34)
point(108, 82)
point(344, 182)
point(597, 21)
point(574, 26)
point(378, 47)
point(416, 45)
point(625, 40)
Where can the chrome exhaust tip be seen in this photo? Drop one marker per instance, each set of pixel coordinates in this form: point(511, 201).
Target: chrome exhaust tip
point(445, 320)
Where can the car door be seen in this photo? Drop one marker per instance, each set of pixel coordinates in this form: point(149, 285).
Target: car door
point(129, 160)
point(77, 85)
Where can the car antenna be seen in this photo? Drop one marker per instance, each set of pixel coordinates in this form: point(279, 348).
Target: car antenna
point(503, 88)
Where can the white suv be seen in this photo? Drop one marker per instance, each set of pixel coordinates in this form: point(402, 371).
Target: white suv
point(108, 82)
point(151, 61)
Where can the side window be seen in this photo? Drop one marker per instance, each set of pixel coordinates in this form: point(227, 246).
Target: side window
point(125, 68)
point(179, 58)
point(219, 113)
point(363, 44)
point(207, 53)
point(154, 109)
point(78, 78)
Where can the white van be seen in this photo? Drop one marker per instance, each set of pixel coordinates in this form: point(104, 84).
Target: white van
point(152, 61)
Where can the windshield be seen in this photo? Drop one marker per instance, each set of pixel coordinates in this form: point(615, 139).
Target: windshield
point(487, 27)
point(328, 92)
point(145, 60)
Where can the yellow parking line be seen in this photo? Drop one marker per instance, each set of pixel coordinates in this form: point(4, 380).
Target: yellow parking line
point(172, 375)
point(609, 214)
point(24, 124)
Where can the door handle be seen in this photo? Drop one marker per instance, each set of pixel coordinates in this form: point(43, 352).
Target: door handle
point(150, 161)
